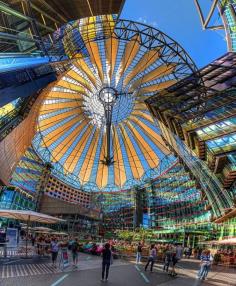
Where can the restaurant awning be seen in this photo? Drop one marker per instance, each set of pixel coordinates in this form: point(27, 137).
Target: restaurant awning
point(42, 229)
point(29, 216)
point(228, 241)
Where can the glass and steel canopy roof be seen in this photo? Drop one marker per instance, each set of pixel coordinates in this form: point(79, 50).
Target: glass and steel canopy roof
point(109, 78)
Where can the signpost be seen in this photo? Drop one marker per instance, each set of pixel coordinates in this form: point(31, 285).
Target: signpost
point(3, 242)
point(64, 259)
point(11, 237)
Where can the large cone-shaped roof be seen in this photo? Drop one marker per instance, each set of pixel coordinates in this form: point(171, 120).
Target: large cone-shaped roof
point(136, 61)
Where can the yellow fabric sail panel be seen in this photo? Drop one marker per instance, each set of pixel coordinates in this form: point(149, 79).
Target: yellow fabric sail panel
point(139, 105)
point(47, 108)
point(156, 138)
point(119, 166)
point(61, 149)
point(130, 52)
point(108, 24)
point(87, 165)
point(88, 28)
point(111, 45)
point(134, 160)
point(102, 171)
point(78, 78)
point(148, 152)
point(57, 133)
point(155, 87)
point(64, 95)
point(71, 86)
point(144, 115)
point(94, 53)
point(46, 123)
point(6, 109)
point(147, 60)
point(75, 155)
point(82, 66)
point(154, 74)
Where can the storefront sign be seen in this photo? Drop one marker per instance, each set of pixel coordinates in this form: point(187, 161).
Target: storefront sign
point(11, 237)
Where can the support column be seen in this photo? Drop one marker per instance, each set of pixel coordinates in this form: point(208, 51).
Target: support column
point(42, 185)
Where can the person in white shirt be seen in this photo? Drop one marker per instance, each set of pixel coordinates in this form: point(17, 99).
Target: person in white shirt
point(54, 251)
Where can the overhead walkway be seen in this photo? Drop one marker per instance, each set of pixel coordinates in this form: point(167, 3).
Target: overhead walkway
point(16, 61)
point(21, 85)
point(24, 82)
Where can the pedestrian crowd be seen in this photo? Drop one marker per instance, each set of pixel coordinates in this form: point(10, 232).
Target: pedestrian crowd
point(171, 254)
point(168, 254)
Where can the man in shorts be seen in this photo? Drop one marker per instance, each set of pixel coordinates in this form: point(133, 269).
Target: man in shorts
point(177, 254)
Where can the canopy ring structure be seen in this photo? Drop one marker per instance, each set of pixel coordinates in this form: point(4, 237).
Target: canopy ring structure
point(93, 126)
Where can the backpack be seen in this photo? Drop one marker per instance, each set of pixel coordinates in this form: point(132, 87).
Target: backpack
point(168, 256)
point(139, 248)
point(74, 246)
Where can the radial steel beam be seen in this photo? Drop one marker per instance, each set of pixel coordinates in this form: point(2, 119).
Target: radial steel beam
point(53, 10)
point(35, 28)
point(9, 10)
point(48, 7)
point(205, 22)
point(15, 13)
point(44, 13)
point(213, 6)
point(8, 36)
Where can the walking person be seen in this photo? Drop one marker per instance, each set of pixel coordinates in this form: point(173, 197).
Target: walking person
point(151, 258)
point(167, 259)
point(54, 250)
point(139, 253)
point(174, 261)
point(106, 261)
point(186, 250)
point(74, 251)
point(205, 263)
point(189, 254)
point(177, 254)
point(33, 239)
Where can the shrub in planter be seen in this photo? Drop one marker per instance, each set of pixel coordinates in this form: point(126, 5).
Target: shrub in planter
point(217, 258)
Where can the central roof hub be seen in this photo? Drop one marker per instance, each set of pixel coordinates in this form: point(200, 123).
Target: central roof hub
point(108, 95)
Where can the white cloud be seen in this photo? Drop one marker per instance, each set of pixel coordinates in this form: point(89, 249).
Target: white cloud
point(144, 20)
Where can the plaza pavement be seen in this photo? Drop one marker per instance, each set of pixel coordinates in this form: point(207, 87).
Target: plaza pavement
point(18, 272)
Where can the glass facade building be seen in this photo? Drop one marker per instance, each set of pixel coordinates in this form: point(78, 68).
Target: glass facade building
point(16, 199)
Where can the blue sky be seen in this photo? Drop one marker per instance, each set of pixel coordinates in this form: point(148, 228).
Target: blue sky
point(179, 19)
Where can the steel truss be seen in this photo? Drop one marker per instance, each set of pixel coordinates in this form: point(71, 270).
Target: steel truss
point(150, 38)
